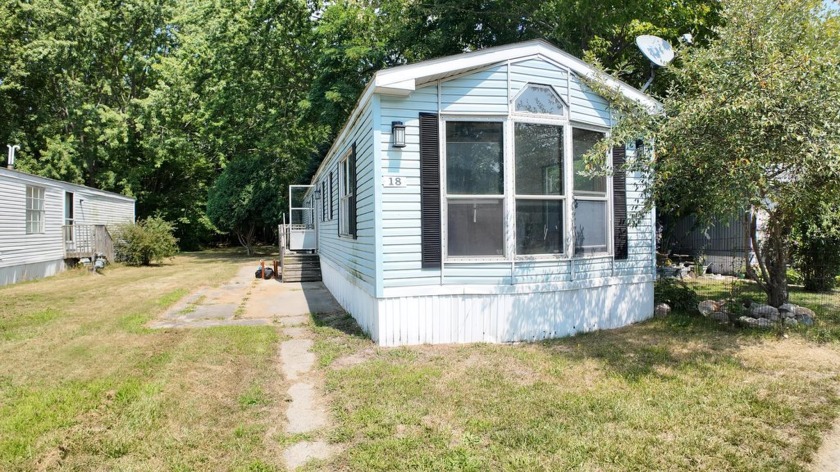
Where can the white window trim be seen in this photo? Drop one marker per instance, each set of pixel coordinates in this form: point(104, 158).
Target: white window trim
point(539, 116)
point(606, 197)
point(445, 196)
point(31, 192)
point(563, 123)
point(344, 195)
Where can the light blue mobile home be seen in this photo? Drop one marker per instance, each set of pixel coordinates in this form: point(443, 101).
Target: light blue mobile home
point(449, 209)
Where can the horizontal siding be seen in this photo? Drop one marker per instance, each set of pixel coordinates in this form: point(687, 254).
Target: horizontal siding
point(400, 223)
point(100, 210)
point(587, 106)
point(17, 247)
point(356, 257)
point(90, 207)
point(480, 92)
point(487, 92)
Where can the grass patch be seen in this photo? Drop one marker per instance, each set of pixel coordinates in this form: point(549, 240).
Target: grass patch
point(87, 386)
point(170, 298)
point(679, 393)
point(336, 335)
point(26, 324)
point(254, 396)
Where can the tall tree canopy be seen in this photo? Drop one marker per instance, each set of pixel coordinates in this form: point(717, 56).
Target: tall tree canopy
point(155, 98)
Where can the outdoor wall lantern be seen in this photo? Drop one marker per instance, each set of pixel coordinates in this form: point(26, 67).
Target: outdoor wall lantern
point(317, 194)
point(398, 134)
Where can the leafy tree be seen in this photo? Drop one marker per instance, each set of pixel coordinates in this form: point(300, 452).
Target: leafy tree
point(244, 198)
point(605, 31)
point(233, 91)
point(751, 123)
point(71, 72)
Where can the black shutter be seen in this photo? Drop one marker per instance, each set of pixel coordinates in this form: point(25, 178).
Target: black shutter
point(351, 203)
point(331, 196)
point(620, 202)
point(323, 200)
point(430, 191)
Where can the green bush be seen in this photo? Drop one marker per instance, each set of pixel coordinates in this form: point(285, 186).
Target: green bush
point(794, 277)
point(146, 242)
point(815, 247)
point(676, 294)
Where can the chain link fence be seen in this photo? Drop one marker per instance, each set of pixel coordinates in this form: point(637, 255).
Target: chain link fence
point(713, 261)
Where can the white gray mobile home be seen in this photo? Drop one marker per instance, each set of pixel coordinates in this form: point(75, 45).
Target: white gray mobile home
point(45, 223)
point(450, 208)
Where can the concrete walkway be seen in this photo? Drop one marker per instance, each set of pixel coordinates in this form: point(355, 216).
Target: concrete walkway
point(827, 458)
point(247, 301)
point(307, 413)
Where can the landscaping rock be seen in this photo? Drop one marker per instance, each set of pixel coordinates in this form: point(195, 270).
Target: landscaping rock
point(801, 310)
point(791, 322)
point(764, 323)
point(787, 308)
point(707, 307)
point(758, 310)
point(774, 317)
point(805, 319)
point(662, 310)
point(720, 316)
point(748, 322)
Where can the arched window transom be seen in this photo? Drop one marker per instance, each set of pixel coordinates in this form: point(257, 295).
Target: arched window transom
point(539, 99)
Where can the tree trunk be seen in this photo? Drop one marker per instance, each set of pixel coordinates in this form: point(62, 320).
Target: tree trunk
point(246, 237)
point(775, 255)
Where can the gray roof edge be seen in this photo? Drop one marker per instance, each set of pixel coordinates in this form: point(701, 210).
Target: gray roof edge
point(14, 173)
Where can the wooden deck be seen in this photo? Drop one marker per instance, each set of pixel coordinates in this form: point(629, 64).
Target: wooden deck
point(82, 241)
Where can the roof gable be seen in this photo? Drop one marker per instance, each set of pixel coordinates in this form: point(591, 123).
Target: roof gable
point(403, 80)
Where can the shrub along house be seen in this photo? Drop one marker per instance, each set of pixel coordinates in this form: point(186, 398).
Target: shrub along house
point(449, 208)
point(45, 223)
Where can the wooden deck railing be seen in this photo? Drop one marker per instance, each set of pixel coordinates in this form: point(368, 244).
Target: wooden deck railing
point(86, 241)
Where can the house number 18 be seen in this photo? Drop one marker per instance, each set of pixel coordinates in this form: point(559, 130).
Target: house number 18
point(393, 181)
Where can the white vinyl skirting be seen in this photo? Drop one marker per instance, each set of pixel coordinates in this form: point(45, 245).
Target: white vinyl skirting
point(492, 317)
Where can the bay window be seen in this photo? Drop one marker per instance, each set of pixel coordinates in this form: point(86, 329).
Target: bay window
point(544, 208)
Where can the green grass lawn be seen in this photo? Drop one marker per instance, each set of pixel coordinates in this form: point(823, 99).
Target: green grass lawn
point(674, 394)
point(84, 385)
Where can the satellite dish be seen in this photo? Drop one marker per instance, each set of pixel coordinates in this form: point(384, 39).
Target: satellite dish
point(656, 49)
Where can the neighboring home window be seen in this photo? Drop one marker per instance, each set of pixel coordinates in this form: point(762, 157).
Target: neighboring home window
point(347, 192)
point(475, 188)
point(539, 188)
point(34, 209)
point(590, 197)
point(539, 99)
